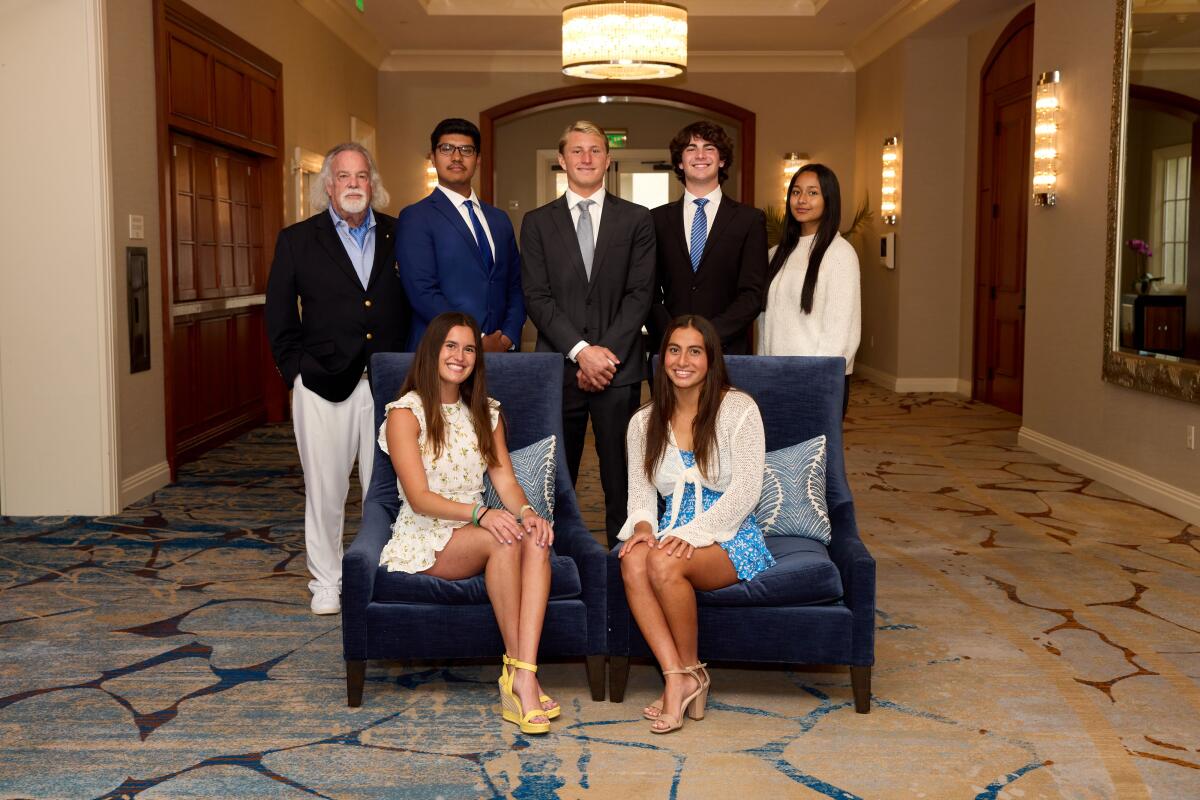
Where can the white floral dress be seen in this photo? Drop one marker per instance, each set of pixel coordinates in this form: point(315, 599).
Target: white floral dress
point(457, 474)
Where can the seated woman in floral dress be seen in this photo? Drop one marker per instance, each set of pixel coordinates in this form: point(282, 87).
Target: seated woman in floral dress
point(442, 433)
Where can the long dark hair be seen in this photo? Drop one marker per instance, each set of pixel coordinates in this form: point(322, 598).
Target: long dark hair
point(827, 231)
point(423, 379)
point(662, 407)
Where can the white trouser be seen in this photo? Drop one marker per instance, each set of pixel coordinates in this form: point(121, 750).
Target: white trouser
point(328, 436)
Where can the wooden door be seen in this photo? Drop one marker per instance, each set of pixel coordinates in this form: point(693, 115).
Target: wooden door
point(217, 285)
point(220, 144)
point(1006, 109)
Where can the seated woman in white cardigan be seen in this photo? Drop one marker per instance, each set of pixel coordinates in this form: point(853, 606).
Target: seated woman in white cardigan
point(700, 445)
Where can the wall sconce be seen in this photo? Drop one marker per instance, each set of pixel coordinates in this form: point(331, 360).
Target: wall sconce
point(1045, 139)
point(889, 205)
point(431, 181)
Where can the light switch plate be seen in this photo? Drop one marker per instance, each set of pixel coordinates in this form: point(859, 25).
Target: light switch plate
point(137, 227)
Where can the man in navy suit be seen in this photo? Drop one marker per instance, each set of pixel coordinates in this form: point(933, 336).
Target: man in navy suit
point(456, 253)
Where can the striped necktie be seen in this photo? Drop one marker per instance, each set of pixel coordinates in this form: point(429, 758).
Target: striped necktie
point(699, 232)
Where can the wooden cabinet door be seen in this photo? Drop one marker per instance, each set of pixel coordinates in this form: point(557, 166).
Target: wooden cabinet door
point(1162, 329)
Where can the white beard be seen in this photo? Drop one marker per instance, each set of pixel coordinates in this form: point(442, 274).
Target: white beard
point(353, 205)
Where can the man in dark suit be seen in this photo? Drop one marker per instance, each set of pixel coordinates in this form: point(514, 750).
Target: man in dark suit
point(338, 265)
point(588, 271)
point(456, 253)
point(712, 250)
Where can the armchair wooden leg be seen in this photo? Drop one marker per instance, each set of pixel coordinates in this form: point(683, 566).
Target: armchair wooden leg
point(356, 672)
point(618, 676)
point(595, 676)
point(860, 682)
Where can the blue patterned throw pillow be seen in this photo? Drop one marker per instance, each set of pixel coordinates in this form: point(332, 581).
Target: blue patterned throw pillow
point(792, 502)
point(534, 467)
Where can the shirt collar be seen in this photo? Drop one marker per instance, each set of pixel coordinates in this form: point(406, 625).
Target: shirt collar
point(713, 197)
point(573, 199)
point(338, 222)
point(457, 198)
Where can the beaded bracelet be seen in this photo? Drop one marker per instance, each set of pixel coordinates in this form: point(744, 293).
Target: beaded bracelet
point(521, 512)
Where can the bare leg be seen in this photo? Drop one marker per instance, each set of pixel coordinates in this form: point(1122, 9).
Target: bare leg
point(534, 592)
point(647, 612)
point(471, 550)
point(675, 582)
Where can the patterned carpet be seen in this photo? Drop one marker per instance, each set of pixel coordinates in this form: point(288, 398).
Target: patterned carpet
point(1038, 638)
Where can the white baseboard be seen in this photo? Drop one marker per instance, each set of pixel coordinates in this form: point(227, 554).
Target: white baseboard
point(912, 385)
point(140, 484)
point(1155, 493)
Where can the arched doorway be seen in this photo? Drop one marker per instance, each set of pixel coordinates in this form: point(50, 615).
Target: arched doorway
point(573, 95)
point(1002, 211)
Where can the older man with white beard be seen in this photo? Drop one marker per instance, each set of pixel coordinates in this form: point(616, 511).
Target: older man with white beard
point(334, 297)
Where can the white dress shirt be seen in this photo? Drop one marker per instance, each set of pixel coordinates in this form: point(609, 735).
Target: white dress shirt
point(690, 209)
point(460, 203)
point(596, 210)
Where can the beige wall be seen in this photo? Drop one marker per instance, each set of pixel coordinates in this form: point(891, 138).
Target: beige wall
point(134, 148)
point(811, 112)
point(880, 89)
point(57, 400)
point(1065, 398)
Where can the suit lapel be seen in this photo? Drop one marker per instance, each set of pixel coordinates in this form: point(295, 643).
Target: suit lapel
point(448, 210)
point(385, 248)
point(677, 231)
point(561, 215)
point(725, 212)
point(610, 218)
point(328, 237)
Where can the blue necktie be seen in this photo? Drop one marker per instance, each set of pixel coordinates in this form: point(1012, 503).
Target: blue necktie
point(481, 239)
point(699, 232)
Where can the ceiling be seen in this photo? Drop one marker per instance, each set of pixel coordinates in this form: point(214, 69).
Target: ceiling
point(825, 35)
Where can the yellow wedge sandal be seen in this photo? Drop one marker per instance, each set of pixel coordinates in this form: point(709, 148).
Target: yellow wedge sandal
point(511, 704)
point(506, 678)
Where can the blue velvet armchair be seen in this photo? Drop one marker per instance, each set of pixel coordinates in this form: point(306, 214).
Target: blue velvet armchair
point(394, 615)
point(817, 604)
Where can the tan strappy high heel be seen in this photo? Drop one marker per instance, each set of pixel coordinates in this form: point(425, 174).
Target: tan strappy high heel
point(674, 724)
point(704, 679)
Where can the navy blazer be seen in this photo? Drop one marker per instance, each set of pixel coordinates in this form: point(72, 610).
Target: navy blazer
point(442, 268)
point(343, 324)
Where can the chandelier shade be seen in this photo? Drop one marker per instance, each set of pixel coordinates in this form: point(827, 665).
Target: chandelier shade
point(624, 41)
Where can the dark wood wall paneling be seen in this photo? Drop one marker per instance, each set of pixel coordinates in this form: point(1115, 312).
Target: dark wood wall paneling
point(220, 119)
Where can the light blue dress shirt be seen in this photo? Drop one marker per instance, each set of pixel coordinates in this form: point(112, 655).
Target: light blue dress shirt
point(359, 243)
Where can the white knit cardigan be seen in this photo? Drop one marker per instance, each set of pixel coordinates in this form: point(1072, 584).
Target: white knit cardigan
point(738, 474)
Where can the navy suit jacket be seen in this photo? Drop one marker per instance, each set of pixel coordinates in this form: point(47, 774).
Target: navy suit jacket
point(442, 268)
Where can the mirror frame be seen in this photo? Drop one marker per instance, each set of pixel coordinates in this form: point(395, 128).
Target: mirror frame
point(1174, 379)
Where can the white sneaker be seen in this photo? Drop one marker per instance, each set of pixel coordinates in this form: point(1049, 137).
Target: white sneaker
point(326, 601)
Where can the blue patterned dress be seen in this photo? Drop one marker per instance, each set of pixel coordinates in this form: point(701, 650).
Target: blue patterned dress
point(746, 550)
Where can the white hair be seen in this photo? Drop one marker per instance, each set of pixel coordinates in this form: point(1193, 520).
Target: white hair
point(318, 193)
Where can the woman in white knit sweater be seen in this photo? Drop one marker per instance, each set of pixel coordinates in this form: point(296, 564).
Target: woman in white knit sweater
point(700, 445)
point(813, 303)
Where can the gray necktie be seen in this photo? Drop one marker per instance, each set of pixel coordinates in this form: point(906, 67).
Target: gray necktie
point(583, 231)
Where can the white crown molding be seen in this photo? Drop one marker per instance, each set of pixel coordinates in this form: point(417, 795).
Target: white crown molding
point(1166, 6)
point(1165, 59)
point(1138, 485)
point(894, 27)
point(343, 23)
point(553, 8)
point(551, 61)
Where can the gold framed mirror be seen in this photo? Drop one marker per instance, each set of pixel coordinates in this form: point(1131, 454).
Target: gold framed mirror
point(1152, 290)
